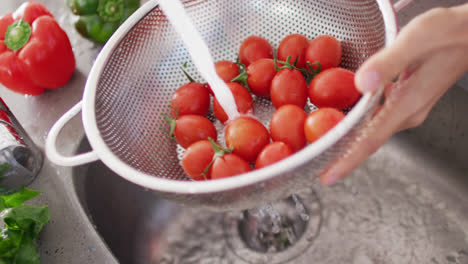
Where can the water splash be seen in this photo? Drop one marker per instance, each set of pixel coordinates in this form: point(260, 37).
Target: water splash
point(200, 54)
point(300, 208)
point(273, 216)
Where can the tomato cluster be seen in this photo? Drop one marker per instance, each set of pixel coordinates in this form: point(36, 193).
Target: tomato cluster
point(301, 70)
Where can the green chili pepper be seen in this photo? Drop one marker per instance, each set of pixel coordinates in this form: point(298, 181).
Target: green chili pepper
point(99, 19)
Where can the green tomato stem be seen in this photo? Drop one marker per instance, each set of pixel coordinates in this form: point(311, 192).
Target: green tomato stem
point(309, 72)
point(219, 152)
point(172, 123)
point(243, 75)
point(187, 75)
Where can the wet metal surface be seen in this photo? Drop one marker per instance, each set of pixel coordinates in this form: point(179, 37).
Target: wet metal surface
point(407, 204)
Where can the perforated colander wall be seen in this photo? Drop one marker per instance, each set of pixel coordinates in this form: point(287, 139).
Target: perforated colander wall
point(141, 75)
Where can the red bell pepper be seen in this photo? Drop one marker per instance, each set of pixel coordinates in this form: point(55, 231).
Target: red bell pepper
point(35, 53)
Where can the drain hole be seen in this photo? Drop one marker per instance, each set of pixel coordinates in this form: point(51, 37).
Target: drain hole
point(275, 233)
point(261, 232)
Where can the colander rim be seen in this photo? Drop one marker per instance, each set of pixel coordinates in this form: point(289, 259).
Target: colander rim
point(196, 187)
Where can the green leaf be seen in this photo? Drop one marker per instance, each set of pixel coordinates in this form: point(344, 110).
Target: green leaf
point(3, 205)
point(27, 252)
point(18, 198)
point(3, 168)
point(10, 243)
point(23, 223)
point(29, 218)
point(5, 261)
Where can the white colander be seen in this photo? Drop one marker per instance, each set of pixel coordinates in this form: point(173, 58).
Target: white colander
point(137, 71)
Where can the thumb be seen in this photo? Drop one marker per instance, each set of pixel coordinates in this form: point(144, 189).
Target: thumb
point(447, 27)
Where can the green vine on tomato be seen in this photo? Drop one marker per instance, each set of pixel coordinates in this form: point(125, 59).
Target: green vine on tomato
point(243, 75)
point(309, 72)
point(218, 153)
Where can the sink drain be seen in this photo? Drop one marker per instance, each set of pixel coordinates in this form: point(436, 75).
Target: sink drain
point(254, 237)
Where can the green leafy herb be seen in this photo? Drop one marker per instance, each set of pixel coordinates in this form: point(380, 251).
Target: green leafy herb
point(22, 225)
point(3, 168)
point(18, 198)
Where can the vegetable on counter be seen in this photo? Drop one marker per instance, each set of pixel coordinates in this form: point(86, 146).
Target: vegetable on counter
point(99, 19)
point(22, 225)
point(35, 53)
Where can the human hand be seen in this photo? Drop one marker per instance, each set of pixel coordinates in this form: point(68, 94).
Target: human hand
point(429, 55)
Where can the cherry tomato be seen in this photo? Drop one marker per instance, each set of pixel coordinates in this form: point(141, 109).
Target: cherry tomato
point(260, 74)
point(228, 165)
point(294, 45)
point(254, 48)
point(196, 160)
point(320, 122)
point(247, 137)
point(208, 87)
point(334, 88)
point(192, 128)
point(288, 87)
point(227, 70)
point(243, 100)
point(326, 50)
point(272, 153)
point(287, 125)
point(191, 98)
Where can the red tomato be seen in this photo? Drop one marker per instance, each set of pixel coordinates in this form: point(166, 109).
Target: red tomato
point(287, 125)
point(208, 87)
point(320, 122)
point(197, 158)
point(191, 98)
point(192, 128)
point(326, 50)
point(272, 153)
point(227, 70)
point(288, 87)
point(294, 45)
point(261, 73)
point(254, 48)
point(334, 88)
point(243, 100)
point(247, 137)
point(229, 165)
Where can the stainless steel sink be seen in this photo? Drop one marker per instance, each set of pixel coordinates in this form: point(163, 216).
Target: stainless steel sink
point(407, 204)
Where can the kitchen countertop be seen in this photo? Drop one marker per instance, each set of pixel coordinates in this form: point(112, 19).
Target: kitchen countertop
point(70, 237)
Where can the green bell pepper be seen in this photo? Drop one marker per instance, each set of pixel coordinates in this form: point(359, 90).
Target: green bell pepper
point(99, 19)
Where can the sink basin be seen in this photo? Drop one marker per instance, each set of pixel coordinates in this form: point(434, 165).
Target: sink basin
point(407, 204)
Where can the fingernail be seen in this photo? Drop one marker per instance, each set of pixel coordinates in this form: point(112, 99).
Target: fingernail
point(367, 81)
point(330, 178)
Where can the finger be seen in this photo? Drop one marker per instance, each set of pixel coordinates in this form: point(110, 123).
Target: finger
point(418, 94)
point(447, 27)
point(407, 105)
point(374, 135)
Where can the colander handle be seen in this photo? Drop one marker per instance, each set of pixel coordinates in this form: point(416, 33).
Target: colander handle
point(399, 5)
point(51, 146)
